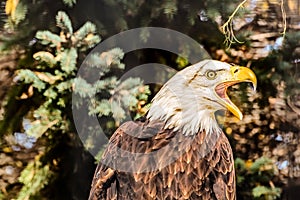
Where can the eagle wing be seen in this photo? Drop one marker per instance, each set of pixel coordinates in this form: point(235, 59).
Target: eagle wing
point(176, 166)
point(122, 154)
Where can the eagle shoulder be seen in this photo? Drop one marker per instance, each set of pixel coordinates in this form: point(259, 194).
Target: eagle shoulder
point(126, 144)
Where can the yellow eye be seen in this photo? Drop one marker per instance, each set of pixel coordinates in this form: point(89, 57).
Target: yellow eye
point(211, 74)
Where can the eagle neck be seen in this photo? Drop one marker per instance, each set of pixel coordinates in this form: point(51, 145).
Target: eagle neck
point(187, 117)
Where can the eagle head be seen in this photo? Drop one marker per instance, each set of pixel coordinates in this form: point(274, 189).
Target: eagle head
point(189, 100)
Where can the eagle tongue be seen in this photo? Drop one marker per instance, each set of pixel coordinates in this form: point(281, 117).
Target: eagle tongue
point(222, 88)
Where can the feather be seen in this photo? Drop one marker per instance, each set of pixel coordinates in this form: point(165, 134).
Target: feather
point(190, 176)
point(178, 150)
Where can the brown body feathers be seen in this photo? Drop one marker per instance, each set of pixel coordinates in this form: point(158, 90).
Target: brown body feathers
point(182, 168)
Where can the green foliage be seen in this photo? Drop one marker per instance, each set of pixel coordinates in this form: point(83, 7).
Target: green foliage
point(34, 177)
point(45, 58)
point(49, 38)
point(267, 192)
point(262, 164)
point(288, 60)
point(83, 88)
point(254, 179)
point(169, 8)
point(45, 118)
point(16, 12)
point(84, 37)
point(53, 85)
point(51, 79)
point(70, 3)
point(68, 61)
point(110, 97)
point(29, 77)
point(64, 23)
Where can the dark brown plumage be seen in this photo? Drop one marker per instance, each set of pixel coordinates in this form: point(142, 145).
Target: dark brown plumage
point(177, 151)
point(191, 176)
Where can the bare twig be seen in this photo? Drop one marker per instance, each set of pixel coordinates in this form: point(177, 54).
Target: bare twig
point(227, 27)
point(283, 17)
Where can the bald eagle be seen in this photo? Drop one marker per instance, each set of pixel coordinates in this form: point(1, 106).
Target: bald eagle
point(178, 150)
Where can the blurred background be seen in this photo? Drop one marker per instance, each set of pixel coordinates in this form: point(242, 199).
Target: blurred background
point(44, 42)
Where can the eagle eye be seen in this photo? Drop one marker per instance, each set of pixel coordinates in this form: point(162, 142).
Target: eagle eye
point(211, 74)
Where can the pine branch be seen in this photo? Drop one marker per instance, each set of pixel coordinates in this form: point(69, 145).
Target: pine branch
point(63, 21)
point(44, 56)
point(34, 177)
point(69, 3)
point(48, 38)
point(68, 60)
point(84, 31)
point(29, 77)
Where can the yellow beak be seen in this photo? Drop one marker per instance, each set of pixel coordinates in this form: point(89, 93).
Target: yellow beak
point(238, 74)
point(243, 74)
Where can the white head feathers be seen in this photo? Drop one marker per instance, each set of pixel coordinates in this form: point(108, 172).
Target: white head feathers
point(187, 102)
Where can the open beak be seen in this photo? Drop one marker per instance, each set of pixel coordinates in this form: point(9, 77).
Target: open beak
point(238, 74)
